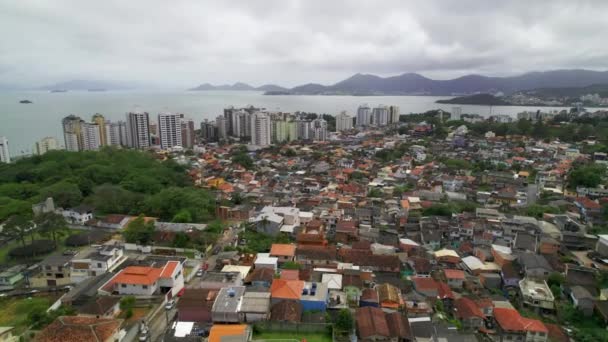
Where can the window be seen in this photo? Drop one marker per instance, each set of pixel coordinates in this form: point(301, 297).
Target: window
point(541, 334)
point(48, 268)
point(145, 286)
point(123, 285)
point(98, 265)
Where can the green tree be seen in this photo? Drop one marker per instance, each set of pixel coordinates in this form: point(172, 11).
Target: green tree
point(291, 265)
point(139, 231)
point(586, 175)
point(18, 227)
point(51, 224)
point(345, 321)
point(182, 216)
point(524, 126)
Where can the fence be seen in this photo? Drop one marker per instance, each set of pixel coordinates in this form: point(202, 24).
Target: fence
point(267, 326)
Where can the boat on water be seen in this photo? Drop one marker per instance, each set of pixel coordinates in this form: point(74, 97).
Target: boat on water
point(25, 101)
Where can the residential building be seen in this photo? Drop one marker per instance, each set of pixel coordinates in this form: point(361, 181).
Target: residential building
point(100, 121)
point(221, 124)
point(537, 294)
point(138, 130)
point(344, 122)
point(5, 154)
point(468, 313)
point(227, 305)
point(511, 326)
point(282, 289)
point(456, 113)
point(393, 114)
point(116, 133)
point(146, 280)
point(209, 130)
point(78, 215)
point(261, 132)
point(170, 130)
point(54, 271)
point(363, 116)
point(79, 328)
point(380, 116)
point(255, 306)
point(11, 276)
point(6, 334)
point(44, 145)
point(283, 130)
point(319, 130)
point(97, 262)
point(188, 135)
point(72, 133)
point(91, 136)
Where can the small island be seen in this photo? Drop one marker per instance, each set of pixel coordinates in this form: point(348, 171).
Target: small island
point(25, 101)
point(477, 99)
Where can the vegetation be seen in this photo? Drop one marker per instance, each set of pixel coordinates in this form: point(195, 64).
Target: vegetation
point(291, 265)
point(113, 181)
point(447, 209)
point(259, 242)
point(126, 306)
point(240, 157)
point(537, 210)
point(15, 311)
point(139, 231)
point(586, 175)
point(344, 321)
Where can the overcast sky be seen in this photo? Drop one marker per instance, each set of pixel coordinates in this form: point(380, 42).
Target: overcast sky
point(183, 43)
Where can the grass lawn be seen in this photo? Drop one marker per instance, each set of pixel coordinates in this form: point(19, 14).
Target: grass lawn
point(4, 258)
point(286, 335)
point(14, 312)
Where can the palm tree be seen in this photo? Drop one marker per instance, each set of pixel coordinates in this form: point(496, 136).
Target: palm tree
point(52, 225)
point(17, 227)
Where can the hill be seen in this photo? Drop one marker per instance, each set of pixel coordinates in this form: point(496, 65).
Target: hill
point(477, 99)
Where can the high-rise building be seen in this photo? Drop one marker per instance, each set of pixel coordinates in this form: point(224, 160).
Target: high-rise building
point(456, 113)
point(393, 114)
point(72, 133)
point(188, 134)
point(344, 122)
point(101, 123)
point(319, 129)
point(363, 116)
point(91, 137)
point(261, 131)
point(208, 131)
point(222, 127)
point(380, 116)
point(303, 129)
point(46, 144)
point(242, 124)
point(116, 133)
point(5, 155)
point(283, 130)
point(169, 130)
point(230, 120)
point(138, 130)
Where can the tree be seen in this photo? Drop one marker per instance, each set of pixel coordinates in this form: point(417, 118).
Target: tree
point(139, 231)
point(183, 216)
point(51, 224)
point(344, 321)
point(181, 240)
point(524, 126)
point(17, 227)
point(589, 176)
point(291, 265)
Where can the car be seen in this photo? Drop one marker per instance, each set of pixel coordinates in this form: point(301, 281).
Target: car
point(181, 292)
point(143, 337)
point(199, 273)
point(170, 304)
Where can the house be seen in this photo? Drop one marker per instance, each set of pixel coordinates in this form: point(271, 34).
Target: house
point(455, 278)
point(582, 276)
point(101, 307)
point(261, 277)
point(282, 290)
point(447, 256)
point(399, 327)
point(548, 246)
point(534, 265)
point(511, 326)
point(96, 262)
point(369, 297)
point(426, 286)
point(314, 296)
point(316, 255)
point(286, 311)
point(271, 219)
point(264, 260)
point(602, 245)
point(11, 276)
point(346, 231)
point(226, 306)
point(230, 332)
point(469, 314)
point(536, 294)
point(78, 215)
point(333, 280)
point(476, 266)
point(195, 305)
point(81, 329)
point(582, 300)
point(283, 252)
point(255, 306)
point(114, 221)
point(54, 271)
point(146, 281)
point(371, 324)
point(389, 296)
point(510, 277)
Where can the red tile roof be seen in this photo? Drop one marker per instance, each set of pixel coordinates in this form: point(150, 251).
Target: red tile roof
point(138, 275)
point(371, 322)
point(169, 269)
point(282, 249)
point(454, 274)
point(422, 283)
point(510, 319)
point(466, 308)
point(286, 289)
point(79, 329)
point(290, 274)
point(444, 291)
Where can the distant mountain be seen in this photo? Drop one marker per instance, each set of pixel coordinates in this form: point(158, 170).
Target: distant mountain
point(477, 99)
point(415, 84)
point(600, 89)
point(238, 86)
point(86, 85)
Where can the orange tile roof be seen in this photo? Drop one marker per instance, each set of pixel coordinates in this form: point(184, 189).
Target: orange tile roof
point(453, 274)
point(79, 329)
point(290, 274)
point(218, 331)
point(138, 275)
point(169, 269)
point(286, 289)
point(283, 249)
point(510, 319)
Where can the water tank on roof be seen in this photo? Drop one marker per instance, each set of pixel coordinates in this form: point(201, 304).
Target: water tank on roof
point(314, 285)
point(231, 292)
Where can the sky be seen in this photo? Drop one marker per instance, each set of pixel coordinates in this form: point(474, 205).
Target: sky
point(184, 43)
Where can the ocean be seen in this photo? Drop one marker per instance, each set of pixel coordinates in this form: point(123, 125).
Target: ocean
point(24, 124)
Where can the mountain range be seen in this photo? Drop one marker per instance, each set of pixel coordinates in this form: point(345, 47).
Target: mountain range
point(416, 84)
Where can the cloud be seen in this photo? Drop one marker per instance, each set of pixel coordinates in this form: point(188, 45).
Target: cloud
point(183, 43)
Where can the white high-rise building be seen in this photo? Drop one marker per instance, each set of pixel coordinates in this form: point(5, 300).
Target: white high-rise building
point(344, 122)
point(116, 133)
point(363, 116)
point(380, 116)
point(46, 144)
point(138, 130)
point(221, 122)
point(5, 155)
point(319, 129)
point(91, 136)
point(72, 133)
point(261, 131)
point(303, 129)
point(393, 114)
point(170, 130)
point(456, 113)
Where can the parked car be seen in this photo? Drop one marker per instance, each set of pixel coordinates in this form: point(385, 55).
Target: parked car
point(170, 304)
point(199, 273)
